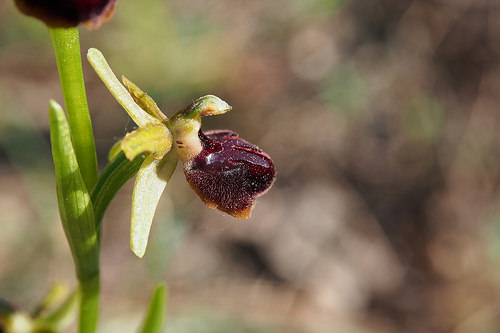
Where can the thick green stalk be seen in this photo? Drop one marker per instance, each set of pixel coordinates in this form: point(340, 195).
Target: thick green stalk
point(67, 50)
point(89, 304)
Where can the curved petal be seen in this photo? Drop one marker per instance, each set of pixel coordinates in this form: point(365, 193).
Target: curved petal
point(143, 100)
point(153, 138)
point(149, 185)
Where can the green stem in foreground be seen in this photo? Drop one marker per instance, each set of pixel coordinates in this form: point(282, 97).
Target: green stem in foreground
point(67, 50)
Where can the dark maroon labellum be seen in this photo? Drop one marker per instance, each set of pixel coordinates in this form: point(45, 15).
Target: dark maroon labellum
point(229, 173)
point(67, 13)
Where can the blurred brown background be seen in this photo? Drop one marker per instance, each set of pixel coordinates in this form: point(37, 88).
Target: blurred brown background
point(382, 117)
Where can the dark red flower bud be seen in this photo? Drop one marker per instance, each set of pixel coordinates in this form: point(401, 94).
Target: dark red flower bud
point(68, 13)
point(229, 172)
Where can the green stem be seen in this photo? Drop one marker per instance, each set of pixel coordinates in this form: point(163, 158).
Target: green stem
point(67, 50)
point(89, 305)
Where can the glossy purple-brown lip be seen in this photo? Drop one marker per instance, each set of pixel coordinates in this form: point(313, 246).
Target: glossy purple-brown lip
point(229, 172)
point(67, 13)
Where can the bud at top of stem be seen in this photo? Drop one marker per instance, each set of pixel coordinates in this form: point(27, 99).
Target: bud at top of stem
point(68, 13)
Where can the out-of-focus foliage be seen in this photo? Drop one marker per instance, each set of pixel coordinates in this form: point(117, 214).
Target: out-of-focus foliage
point(382, 118)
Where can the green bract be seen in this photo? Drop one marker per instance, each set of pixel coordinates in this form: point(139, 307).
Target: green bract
point(77, 215)
point(155, 317)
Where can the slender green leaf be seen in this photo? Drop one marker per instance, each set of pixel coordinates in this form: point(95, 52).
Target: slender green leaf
point(119, 171)
point(77, 216)
point(155, 317)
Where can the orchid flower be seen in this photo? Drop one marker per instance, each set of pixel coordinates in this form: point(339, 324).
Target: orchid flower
point(227, 172)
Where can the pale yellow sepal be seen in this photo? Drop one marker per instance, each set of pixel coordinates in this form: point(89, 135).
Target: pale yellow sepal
point(120, 93)
point(149, 185)
point(152, 139)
